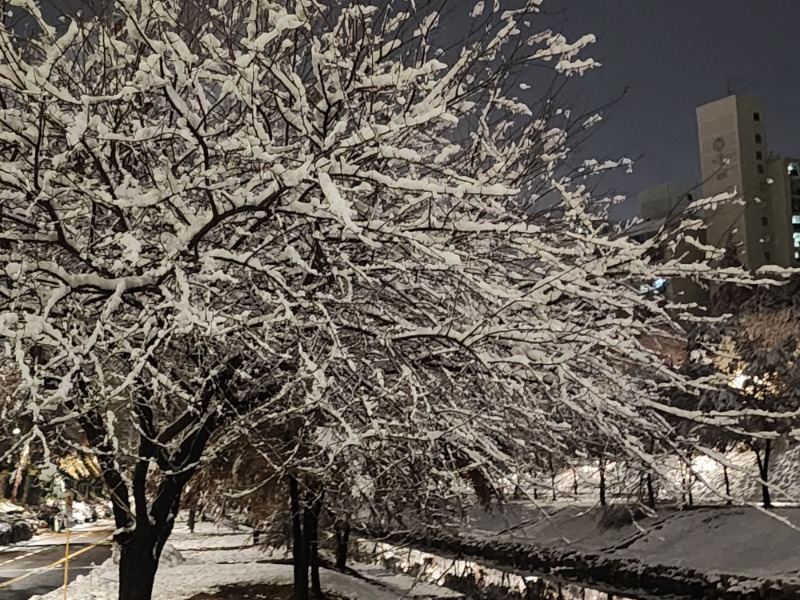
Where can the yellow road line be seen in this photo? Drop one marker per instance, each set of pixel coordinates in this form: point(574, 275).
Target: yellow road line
point(35, 549)
point(26, 555)
point(55, 564)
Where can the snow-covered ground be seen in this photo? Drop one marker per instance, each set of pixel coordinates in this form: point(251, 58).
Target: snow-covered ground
point(745, 541)
point(213, 557)
point(735, 552)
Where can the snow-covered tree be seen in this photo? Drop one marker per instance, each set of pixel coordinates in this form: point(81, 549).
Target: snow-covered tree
point(761, 367)
point(315, 218)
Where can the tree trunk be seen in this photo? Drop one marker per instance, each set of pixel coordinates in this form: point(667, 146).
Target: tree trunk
point(575, 482)
point(137, 569)
point(312, 513)
point(299, 550)
point(552, 477)
point(192, 519)
point(342, 542)
point(728, 500)
point(26, 487)
point(518, 495)
point(4, 477)
point(763, 471)
point(141, 550)
point(651, 496)
point(687, 481)
point(18, 477)
point(22, 468)
point(602, 469)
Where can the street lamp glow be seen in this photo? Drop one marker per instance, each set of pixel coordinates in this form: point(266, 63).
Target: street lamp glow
point(739, 381)
point(16, 431)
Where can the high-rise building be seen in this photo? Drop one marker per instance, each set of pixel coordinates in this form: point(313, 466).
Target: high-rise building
point(735, 159)
point(784, 176)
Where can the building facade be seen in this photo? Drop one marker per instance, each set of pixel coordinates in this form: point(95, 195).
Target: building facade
point(734, 158)
point(785, 175)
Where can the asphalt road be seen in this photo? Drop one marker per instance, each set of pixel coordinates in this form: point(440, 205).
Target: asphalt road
point(26, 557)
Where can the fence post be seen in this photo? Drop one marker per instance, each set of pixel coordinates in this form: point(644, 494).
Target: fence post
point(66, 566)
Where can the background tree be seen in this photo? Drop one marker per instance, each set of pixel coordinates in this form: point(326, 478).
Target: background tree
point(765, 372)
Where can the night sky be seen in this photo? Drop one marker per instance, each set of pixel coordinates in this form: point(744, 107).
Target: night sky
point(674, 55)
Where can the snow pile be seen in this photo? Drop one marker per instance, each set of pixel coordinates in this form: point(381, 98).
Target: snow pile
point(14, 528)
point(9, 507)
point(83, 512)
point(171, 557)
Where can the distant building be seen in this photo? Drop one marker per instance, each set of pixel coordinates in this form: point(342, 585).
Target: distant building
point(734, 157)
point(659, 207)
point(784, 175)
point(762, 225)
point(665, 201)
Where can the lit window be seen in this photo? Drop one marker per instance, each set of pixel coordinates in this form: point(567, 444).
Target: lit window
point(795, 219)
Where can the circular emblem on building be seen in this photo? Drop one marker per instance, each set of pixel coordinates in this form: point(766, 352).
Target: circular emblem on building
point(718, 144)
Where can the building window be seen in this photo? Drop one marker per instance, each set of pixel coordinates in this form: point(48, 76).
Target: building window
point(760, 168)
point(759, 155)
point(758, 138)
point(767, 256)
point(756, 116)
point(764, 221)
